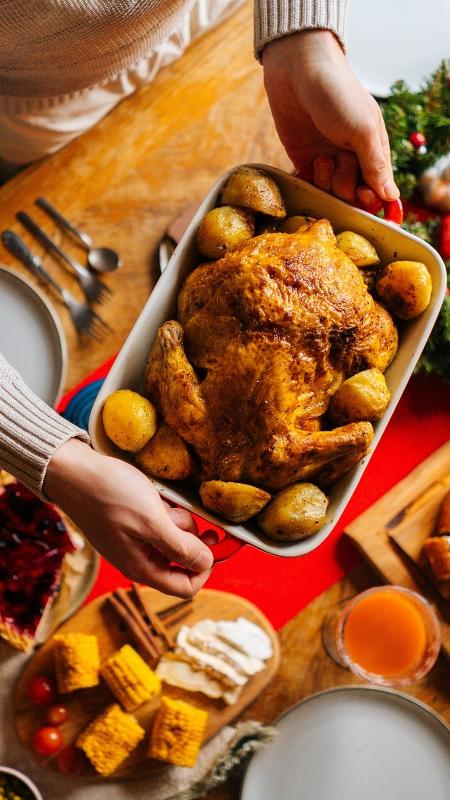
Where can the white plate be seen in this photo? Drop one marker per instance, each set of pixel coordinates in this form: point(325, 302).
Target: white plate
point(31, 336)
point(397, 39)
point(354, 743)
point(300, 198)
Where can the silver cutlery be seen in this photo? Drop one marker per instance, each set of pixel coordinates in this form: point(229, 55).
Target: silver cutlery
point(101, 259)
point(83, 317)
point(95, 290)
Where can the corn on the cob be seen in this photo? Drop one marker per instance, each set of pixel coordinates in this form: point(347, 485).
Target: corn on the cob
point(110, 738)
point(177, 732)
point(130, 679)
point(77, 661)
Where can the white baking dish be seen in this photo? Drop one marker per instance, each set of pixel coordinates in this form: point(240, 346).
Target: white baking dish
point(391, 243)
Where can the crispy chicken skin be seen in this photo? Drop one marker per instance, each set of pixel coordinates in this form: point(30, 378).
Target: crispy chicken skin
point(265, 336)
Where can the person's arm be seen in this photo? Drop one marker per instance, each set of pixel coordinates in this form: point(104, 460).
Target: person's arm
point(330, 126)
point(112, 502)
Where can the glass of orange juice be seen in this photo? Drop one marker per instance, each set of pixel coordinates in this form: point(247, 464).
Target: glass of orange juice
point(387, 635)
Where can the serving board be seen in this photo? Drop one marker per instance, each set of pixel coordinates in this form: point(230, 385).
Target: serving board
point(390, 534)
point(99, 618)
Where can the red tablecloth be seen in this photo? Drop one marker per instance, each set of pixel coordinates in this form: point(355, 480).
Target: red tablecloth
point(281, 586)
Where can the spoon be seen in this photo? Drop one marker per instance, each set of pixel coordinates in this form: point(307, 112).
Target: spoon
point(101, 259)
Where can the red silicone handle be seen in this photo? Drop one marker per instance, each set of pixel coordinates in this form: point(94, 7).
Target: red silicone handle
point(393, 211)
point(222, 544)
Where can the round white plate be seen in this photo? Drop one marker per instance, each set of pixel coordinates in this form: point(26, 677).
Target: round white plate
point(31, 336)
point(397, 39)
point(354, 743)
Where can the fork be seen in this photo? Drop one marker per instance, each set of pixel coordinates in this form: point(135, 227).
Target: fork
point(94, 289)
point(84, 318)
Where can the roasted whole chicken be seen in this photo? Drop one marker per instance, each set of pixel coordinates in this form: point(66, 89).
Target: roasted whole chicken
point(264, 338)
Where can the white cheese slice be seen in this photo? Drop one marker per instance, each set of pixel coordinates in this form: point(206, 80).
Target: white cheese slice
point(246, 636)
point(213, 664)
point(182, 675)
point(203, 635)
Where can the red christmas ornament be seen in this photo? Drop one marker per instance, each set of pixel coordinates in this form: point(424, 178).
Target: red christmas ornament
point(417, 139)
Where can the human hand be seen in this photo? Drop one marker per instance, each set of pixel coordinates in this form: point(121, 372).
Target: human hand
point(331, 127)
point(124, 518)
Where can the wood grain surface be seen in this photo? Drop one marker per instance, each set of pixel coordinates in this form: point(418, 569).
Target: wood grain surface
point(100, 620)
point(156, 153)
point(306, 668)
point(391, 532)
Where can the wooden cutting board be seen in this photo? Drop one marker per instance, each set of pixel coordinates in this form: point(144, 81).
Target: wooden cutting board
point(390, 534)
point(98, 618)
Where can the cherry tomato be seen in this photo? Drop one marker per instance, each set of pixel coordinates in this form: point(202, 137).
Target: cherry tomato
point(56, 715)
point(47, 741)
point(70, 761)
point(42, 690)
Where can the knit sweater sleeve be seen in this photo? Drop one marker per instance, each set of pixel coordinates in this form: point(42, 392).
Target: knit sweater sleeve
point(30, 430)
point(277, 18)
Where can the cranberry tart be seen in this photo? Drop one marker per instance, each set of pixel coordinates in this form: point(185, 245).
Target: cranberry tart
point(34, 541)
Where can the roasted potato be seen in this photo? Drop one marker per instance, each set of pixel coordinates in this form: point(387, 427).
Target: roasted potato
point(250, 188)
point(295, 224)
point(357, 248)
point(166, 456)
point(294, 513)
point(223, 228)
point(363, 397)
point(236, 502)
point(129, 419)
point(405, 287)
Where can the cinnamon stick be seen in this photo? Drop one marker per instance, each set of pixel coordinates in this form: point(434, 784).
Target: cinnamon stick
point(123, 596)
point(158, 626)
point(142, 641)
point(180, 604)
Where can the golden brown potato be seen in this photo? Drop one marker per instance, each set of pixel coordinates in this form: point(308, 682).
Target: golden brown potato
point(295, 224)
point(236, 502)
point(223, 228)
point(294, 513)
point(251, 188)
point(405, 287)
point(166, 456)
point(364, 396)
point(357, 248)
point(129, 419)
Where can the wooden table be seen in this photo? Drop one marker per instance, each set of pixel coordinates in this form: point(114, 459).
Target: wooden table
point(155, 154)
point(306, 668)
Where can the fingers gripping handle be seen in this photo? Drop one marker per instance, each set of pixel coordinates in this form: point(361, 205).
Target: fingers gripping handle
point(393, 209)
point(222, 544)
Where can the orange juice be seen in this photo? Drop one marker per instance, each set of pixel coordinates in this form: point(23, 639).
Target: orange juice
point(385, 633)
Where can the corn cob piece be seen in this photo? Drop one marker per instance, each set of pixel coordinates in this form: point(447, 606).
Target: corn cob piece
point(77, 661)
point(110, 738)
point(130, 679)
point(177, 732)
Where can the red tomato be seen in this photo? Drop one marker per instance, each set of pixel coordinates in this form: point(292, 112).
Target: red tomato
point(47, 741)
point(56, 715)
point(70, 760)
point(42, 690)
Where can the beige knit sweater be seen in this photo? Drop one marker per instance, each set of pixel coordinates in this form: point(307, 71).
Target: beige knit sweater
point(50, 49)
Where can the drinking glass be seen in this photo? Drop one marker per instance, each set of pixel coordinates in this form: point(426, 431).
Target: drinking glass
point(387, 635)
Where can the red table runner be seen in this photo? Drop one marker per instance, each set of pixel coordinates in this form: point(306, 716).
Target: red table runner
point(281, 587)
